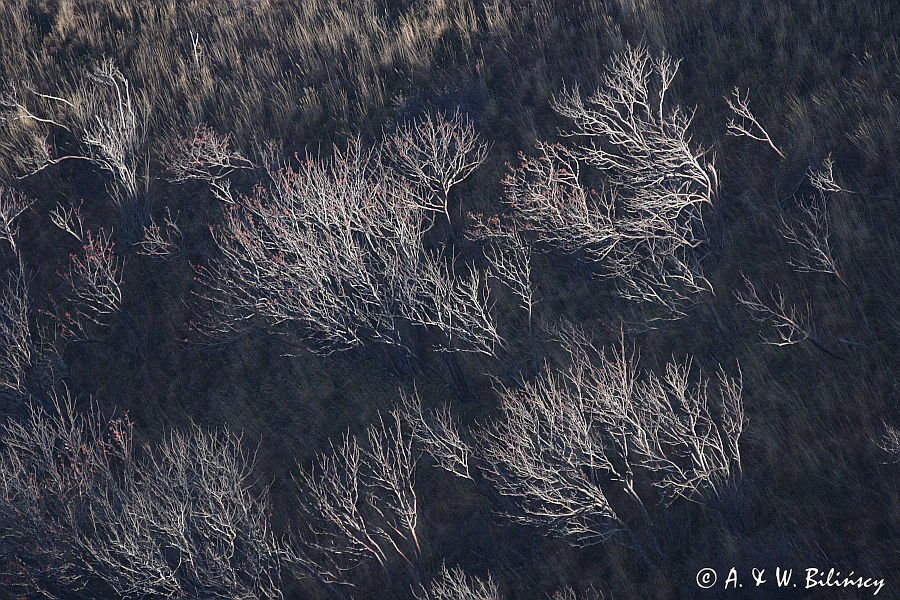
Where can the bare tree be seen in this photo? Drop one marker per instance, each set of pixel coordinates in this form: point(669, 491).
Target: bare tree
point(508, 253)
point(304, 252)
point(542, 456)
point(747, 125)
point(70, 220)
point(437, 432)
point(568, 439)
point(332, 253)
point(106, 119)
point(360, 506)
point(18, 351)
point(789, 324)
point(206, 156)
point(648, 150)
point(454, 584)
point(82, 515)
point(95, 278)
point(51, 465)
point(644, 225)
point(189, 525)
point(811, 234)
point(889, 443)
point(12, 205)
point(435, 153)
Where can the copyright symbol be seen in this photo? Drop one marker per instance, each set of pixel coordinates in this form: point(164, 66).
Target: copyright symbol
point(706, 578)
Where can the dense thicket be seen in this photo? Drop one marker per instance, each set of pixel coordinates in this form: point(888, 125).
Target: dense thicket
point(507, 299)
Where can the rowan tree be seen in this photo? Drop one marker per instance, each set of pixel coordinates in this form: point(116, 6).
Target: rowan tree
point(435, 153)
point(628, 193)
point(331, 254)
point(571, 443)
point(359, 506)
point(83, 513)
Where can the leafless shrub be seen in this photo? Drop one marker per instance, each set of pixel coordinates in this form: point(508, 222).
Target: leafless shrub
point(823, 179)
point(509, 255)
point(51, 466)
point(458, 306)
point(18, 351)
point(69, 219)
point(747, 125)
point(206, 156)
point(360, 506)
point(811, 235)
point(454, 584)
point(95, 278)
point(437, 432)
point(104, 117)
point(789, 324)
point(435, 153)
point(162, 241)
point(567, 439)
point(645, 223)
point(889, 443)
point(83, 516)
point(189, 525)
point(333, 250)
point(12, 205)
point(113, 127)
point(548, 199)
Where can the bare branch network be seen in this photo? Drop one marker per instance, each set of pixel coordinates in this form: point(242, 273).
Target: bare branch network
point(332, 252)
point(438, 434)
point(644, 225)
point(568, 439)
point(18, 351)
point(509, 254)
point(889, 443)
point(207, 156)
point(360, 506)
point(80, 511)
point(454, 584)
point(747, 125)
point(105, 119)
point(95, 278)
point(786, 324)
point(12, 204)
point(435, 153)
point(812, 236)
